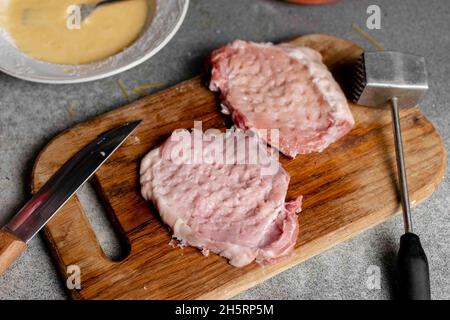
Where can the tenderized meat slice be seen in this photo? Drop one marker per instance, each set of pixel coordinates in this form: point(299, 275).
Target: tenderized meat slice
point(224, 201)
point(281, 87)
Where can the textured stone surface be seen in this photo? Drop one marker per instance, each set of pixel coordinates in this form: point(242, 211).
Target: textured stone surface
point(31, 114)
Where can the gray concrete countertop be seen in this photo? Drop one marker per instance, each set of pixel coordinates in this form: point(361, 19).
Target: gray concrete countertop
point(31, 114)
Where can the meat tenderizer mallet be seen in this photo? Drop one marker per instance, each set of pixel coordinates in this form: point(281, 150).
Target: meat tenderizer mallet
point(381, 79)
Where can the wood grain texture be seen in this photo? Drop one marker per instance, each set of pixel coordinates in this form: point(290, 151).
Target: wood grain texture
point(11, 248)
point(348, 188)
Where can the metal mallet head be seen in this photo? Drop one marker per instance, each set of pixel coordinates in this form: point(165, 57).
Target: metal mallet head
point(379, 76)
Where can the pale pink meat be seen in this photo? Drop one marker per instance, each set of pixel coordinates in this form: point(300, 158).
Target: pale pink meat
point(232, 207)
point(281, 87)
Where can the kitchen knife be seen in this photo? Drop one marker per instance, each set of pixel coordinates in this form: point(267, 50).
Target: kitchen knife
point(57, 191)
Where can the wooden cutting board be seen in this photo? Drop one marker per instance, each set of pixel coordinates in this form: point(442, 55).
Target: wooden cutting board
point(347, 189)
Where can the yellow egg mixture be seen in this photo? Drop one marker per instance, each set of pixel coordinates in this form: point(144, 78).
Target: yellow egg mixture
point(47, 29)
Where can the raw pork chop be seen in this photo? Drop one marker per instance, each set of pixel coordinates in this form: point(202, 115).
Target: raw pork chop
point(232, 207)
point(281, 87)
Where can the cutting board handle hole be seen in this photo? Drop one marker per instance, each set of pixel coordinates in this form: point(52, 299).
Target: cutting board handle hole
point(114, 246)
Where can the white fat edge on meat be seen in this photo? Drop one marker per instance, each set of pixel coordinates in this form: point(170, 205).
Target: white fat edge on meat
point(242, 43)
point(152, 159)
point(316, 68)
point(326, 84)
point(182, 232)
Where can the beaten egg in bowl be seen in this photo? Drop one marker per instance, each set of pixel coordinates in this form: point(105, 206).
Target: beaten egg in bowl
point(52, 31)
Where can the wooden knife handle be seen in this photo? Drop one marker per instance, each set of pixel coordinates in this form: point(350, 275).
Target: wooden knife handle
point(11, 248)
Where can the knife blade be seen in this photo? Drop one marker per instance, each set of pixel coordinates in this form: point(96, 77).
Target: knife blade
point(57, 191)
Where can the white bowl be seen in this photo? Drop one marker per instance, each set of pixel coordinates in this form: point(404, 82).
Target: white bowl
point(167, 20)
